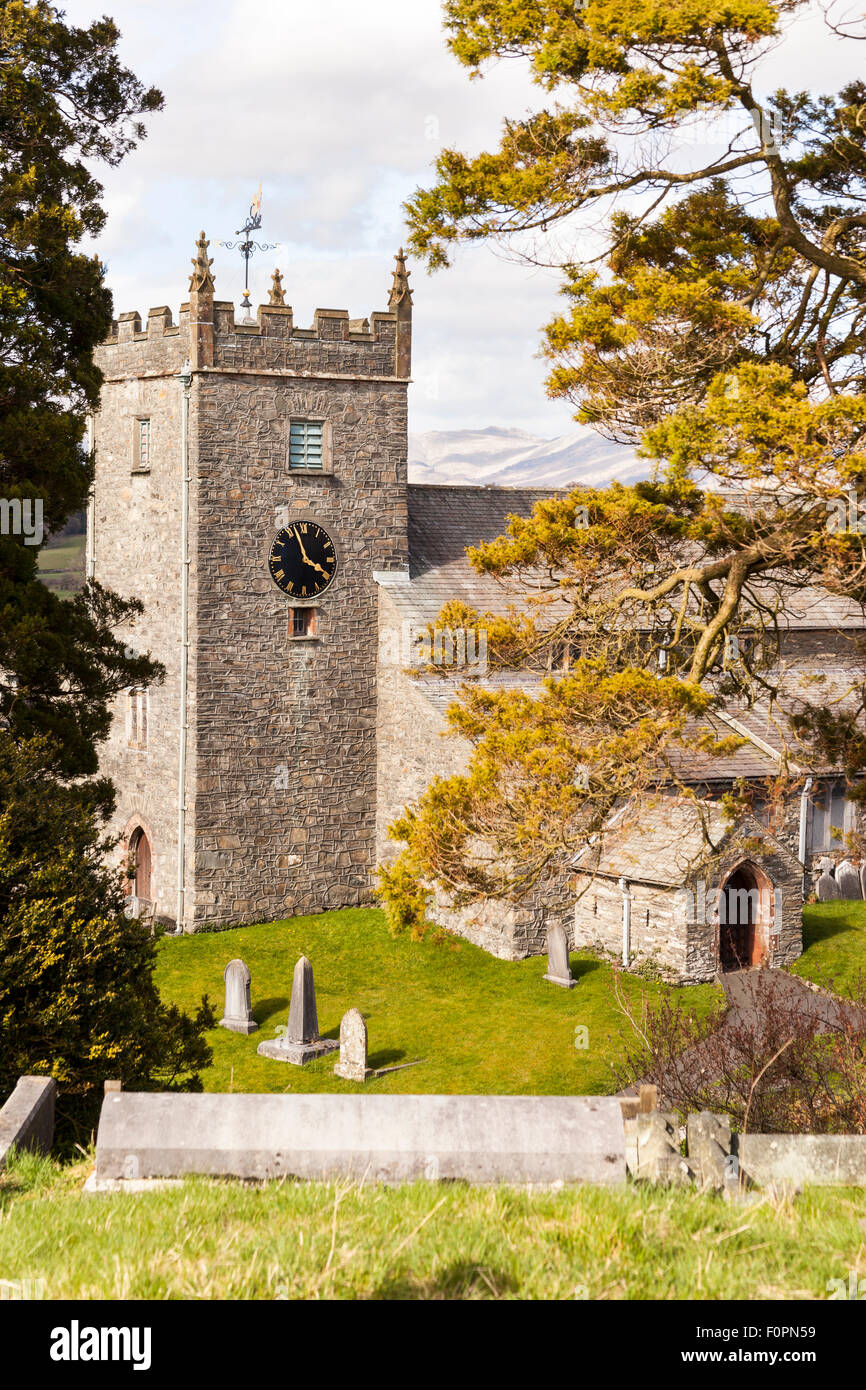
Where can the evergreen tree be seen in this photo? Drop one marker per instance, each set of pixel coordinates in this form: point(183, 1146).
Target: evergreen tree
point(721, 326)
point(65, 102)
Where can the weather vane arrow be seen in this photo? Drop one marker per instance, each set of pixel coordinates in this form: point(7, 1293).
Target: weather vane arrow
point(248, 247)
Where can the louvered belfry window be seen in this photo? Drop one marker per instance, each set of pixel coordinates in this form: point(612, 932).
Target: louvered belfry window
point(142, 462)
point(305, 443)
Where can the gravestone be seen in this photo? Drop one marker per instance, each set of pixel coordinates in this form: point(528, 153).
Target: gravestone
point(709, 1145)
point(828, 888)
point(238, 1009)
point(558, 968)
point(848, 880)
point(300, 1041)
point(352, 1065)
point(863, 878)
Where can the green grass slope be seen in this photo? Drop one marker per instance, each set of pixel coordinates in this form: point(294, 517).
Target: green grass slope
point(292, 1240)
point(475, 1024)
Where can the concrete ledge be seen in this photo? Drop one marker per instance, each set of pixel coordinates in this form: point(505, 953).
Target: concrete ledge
point(814, 1160)
point(517, 1139)
point(27, 1118)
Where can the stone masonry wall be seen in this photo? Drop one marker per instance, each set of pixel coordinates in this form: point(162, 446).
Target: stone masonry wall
point(135, 540)
point(411, 751)
point(286, 730)
point(281, 764)
point(676, 928)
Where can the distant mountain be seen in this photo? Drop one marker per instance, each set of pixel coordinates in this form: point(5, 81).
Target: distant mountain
point(513, 458)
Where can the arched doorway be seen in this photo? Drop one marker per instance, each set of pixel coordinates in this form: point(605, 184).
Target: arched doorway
point(140, 855)
point(744, 911)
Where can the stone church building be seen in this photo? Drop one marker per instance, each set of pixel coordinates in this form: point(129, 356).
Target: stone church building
point(251, 489)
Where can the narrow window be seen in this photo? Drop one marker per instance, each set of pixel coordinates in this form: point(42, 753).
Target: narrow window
point(137, 717)
point(142, 449)
point(302, 622)
point(828, 815)
point(305, 443)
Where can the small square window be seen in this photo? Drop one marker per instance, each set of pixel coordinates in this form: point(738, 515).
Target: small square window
point(136, 717)
point(302, 622)
point(306, 441)
point(141, 463)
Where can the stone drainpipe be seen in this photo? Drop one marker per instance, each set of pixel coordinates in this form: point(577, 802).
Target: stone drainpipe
point(185, 381)
point(804, 811)
point(626, 922)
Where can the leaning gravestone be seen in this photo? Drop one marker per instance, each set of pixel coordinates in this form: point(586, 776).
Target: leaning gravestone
point(828, 888)
point(238, 1010)
point(352, 1065)
point(300, 1042)
point(848, 880)
point(558, 968)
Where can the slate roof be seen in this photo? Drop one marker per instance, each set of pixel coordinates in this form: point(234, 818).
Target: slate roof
point(666, 843)
point(444, 520)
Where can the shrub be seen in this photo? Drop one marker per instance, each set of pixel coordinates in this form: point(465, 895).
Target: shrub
point(77, 996)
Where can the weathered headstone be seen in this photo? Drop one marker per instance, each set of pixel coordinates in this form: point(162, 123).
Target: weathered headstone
point(558, 967)
point(238, 1008)
point(863, 878)
point(300, 1041)
point(828, 888)
point(848, 880)
point(709, 1146)
point(659, 1160)
point(352, 1065)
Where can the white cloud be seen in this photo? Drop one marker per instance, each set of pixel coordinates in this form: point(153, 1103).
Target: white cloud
point(332, 105)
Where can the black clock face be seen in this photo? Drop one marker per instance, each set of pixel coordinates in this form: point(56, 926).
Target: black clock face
point(303, 561)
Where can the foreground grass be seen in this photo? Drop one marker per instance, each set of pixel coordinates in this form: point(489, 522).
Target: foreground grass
point(289, 1240)
point(475, 1024)
point(834, 944)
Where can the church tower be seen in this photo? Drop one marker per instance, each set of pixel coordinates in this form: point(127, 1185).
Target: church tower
point(250, 483)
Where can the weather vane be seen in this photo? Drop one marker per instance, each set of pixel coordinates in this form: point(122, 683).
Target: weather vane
point(248, 247)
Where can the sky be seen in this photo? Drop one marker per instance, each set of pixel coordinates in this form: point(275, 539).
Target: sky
point(340, 109)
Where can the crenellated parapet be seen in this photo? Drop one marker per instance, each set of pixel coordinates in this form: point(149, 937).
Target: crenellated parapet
point(212, 335)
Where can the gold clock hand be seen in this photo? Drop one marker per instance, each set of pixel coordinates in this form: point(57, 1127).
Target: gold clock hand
point(306, 559)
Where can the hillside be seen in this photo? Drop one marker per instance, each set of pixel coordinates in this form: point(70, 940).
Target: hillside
point(512, 457)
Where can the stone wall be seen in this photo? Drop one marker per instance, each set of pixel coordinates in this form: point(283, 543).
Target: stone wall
point(674, 928)
point(281, 762)
point(286, 729)
point(136, 545)
point(413, 747)
point(411, 732)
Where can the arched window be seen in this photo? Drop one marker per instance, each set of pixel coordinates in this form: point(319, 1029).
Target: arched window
point(140, 864)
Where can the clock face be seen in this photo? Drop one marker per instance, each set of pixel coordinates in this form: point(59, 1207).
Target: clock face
point(302, 560)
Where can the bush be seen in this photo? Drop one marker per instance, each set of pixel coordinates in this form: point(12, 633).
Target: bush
point(792, 1064)
point(77, 996)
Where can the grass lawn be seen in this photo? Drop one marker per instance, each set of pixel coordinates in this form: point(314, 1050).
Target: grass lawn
point(207, 1239)
point(834, 943)
point(476, 1024)
point(61, 564)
